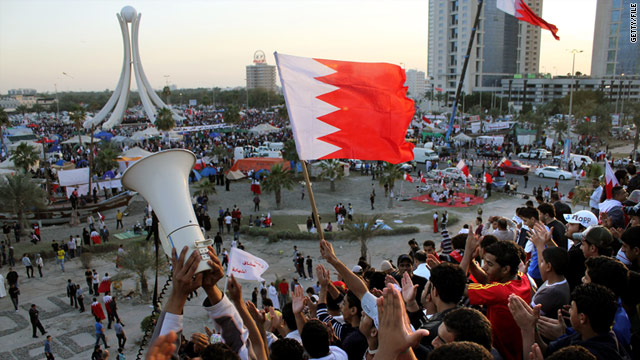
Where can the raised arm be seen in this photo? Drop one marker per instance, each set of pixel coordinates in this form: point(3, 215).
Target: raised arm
point(235, 293)
point(353, 281)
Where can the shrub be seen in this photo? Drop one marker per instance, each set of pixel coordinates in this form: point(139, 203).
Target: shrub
point(149, 322)
point(275, 236)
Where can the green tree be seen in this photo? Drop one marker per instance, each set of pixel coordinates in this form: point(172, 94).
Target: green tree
point(166, 92)
point(4, 121)
point(362, 229)
point(204, 187)
point(333, 170)
point(536, 120)
point(164, 120)
point(231, 115)
point(278, 179)
point(136, 261)
point(25, 156)
point(107, 158)
point(560, 128)
point(19, 194)
point(22, 109)
point(390, 173)
point(37, 108)
point(77, 117)
point(290, 152)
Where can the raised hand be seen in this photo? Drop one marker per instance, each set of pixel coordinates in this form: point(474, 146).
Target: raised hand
point(525, 316)
point(539, 235)
point(298, 300)
point(210, 278)
point(326, 250)
point(163, 347)
point(432, 260)
point(257, 315)
point(473, 241)
point(185, 280)
point(324, 278)
point(200, 341)
point(552, 328)
point(409, 290)
point(235, 290)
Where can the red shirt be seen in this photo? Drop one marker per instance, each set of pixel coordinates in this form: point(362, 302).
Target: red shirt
point(507, 338)
point(284, 288)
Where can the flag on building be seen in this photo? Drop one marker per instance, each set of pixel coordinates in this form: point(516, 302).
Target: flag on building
point(463, 167)
point(521, 11)
point(407, 177)
point(610, 179)
point(243, 265)
point(347, 110)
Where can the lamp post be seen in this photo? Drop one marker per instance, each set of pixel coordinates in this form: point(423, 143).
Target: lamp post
point(573, 65)
point(57, 103)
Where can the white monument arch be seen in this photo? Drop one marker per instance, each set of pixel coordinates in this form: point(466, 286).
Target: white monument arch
point(117, 103)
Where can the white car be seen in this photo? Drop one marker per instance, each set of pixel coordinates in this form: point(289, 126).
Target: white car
point(406, 167)
point(553, 172)
point(453, 173)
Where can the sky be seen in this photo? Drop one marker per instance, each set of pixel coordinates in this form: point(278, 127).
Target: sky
point(76, 45)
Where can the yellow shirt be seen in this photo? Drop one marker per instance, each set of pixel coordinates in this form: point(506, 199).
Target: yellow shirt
point(60, 254)
point(119, 216)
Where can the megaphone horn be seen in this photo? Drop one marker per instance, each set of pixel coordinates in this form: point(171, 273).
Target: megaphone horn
point(162, 179)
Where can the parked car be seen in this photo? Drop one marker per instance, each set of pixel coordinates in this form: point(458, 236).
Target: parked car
point(535, 154)
point(489, 153)
point(553, 172)
point(499, 183)
point(453, 173)
point(406, 167)
point(516, 167)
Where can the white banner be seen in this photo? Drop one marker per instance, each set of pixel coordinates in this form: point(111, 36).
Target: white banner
point(193, 102)
point(475, 127)
point(201, 127)
point(73, 177)
point(246, 266)
point(497, 126)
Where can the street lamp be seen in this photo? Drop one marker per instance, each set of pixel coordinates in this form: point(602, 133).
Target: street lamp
point(573, 65)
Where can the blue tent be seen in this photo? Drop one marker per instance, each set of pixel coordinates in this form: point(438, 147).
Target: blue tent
point(208, 171)
point(215, 134)
point(82, 163)
point(104, 135)
point(54, 148)
point(109, 175)
point(262, 171)
point(60, 162)
point(196, 174)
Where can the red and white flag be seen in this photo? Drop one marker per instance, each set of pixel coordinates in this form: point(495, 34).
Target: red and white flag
point(488, 178)
point(246, 266)
point(505, 162)
point(463, 167)
point(426, 119)
point(610, 179)
point(443, 184)
point(407, 177)
point(423, 179)
point(347, 110)
point(521, 11)
point(583, 173)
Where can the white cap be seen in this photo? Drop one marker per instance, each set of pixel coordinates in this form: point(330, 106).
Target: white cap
point(356, 269)
point(583, 217)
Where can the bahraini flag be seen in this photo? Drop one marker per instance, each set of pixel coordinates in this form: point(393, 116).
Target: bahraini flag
point(521, 11)
point(246, 266)
point(346, 110)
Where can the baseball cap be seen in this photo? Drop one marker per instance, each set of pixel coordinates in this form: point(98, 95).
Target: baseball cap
point(385, 265)
point(583, 217)
point(404, 257)
point(356, 269)
point(598, 235)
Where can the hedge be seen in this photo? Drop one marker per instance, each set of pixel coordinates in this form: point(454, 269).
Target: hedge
point(274, 235)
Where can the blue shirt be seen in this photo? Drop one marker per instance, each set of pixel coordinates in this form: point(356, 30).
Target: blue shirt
point(47, 346)
point(99, 328)
point(622, 326)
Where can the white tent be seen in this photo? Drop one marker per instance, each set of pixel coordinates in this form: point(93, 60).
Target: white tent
point(263, 129)
point(83, 139)
point(135, 152)
point(462, 137)
point(145, 134)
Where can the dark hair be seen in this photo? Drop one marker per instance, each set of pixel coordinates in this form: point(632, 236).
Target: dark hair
point(460, 350)
point(631, 169)
point(267, 302)
point(547, 209)
point(479, 218)
point(286, 349)
point(289, 317)
point(334, 304)
point(616, 190)
point(620, 174)
point(469, 325)
point(219, 351)
point(631, 237)
point(539, 198)
point(598, 303)
point(376, 281)
point(608, 272)
point(558, 258)
point(502, 223)
point(315, 338)
point(429, 243)
point(488, 240)
point(354, 302)
point(506, 253)
point(529, 203)
point(459, 241)
point(450, 281)
point(412, 241)
point(572, 352)
point(420, 256)
point(527, 212)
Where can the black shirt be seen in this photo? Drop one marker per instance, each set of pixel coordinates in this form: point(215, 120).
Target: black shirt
point(604, 346)
point(558, 235)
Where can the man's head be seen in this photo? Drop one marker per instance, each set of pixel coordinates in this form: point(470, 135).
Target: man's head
point(547, 212)
point(529, 216)
point(413, 244)
point(48, 337)
point(429, 247)
point(593, 307)
point(289, 317)
point(447, 283)
point(405, 264)
point(478, 220)
point(595, 182)
point(608, 272)
point(597, 241)
point(501, 261)
point(286, 349)
point(502, 224)
point(420, 257)
point(631, 244)
point(464, 324)
point(579, 221)
point(463, 350)
point(458, 242)
point(350, 307)
point(554, 260)
point(315, 338)
point(621, 176)
point(219, 351)
point(619, 193)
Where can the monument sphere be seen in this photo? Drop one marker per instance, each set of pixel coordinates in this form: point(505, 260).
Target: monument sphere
point(128, 13)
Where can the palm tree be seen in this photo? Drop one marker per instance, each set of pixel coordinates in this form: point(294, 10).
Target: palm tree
point(37, 108)
point(231, 115)
point(22, 109)
point(204, 187)
point(278, 178)
point(390, 173)
point(106, 159)
point(4, 121)
point(25, 156)
point(560, 128)
point(135, 262)
point(219, 152)
point(362, 229)
point(167, 94)
point(164, 120)
point(78, 116)
point(19, 194)
point(332, 169)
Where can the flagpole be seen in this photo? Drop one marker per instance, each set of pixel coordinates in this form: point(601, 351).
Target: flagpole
point(312, 199)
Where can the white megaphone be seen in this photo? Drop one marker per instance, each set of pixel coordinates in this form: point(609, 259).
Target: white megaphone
point(162, 179)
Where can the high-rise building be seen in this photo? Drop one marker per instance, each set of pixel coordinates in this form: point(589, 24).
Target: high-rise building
point(415, 83)
point(261, 75)
point(501, 48)
point(615, 46)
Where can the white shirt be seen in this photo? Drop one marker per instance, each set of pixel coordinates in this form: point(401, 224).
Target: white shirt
point(422, 270)
point(594, 200)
